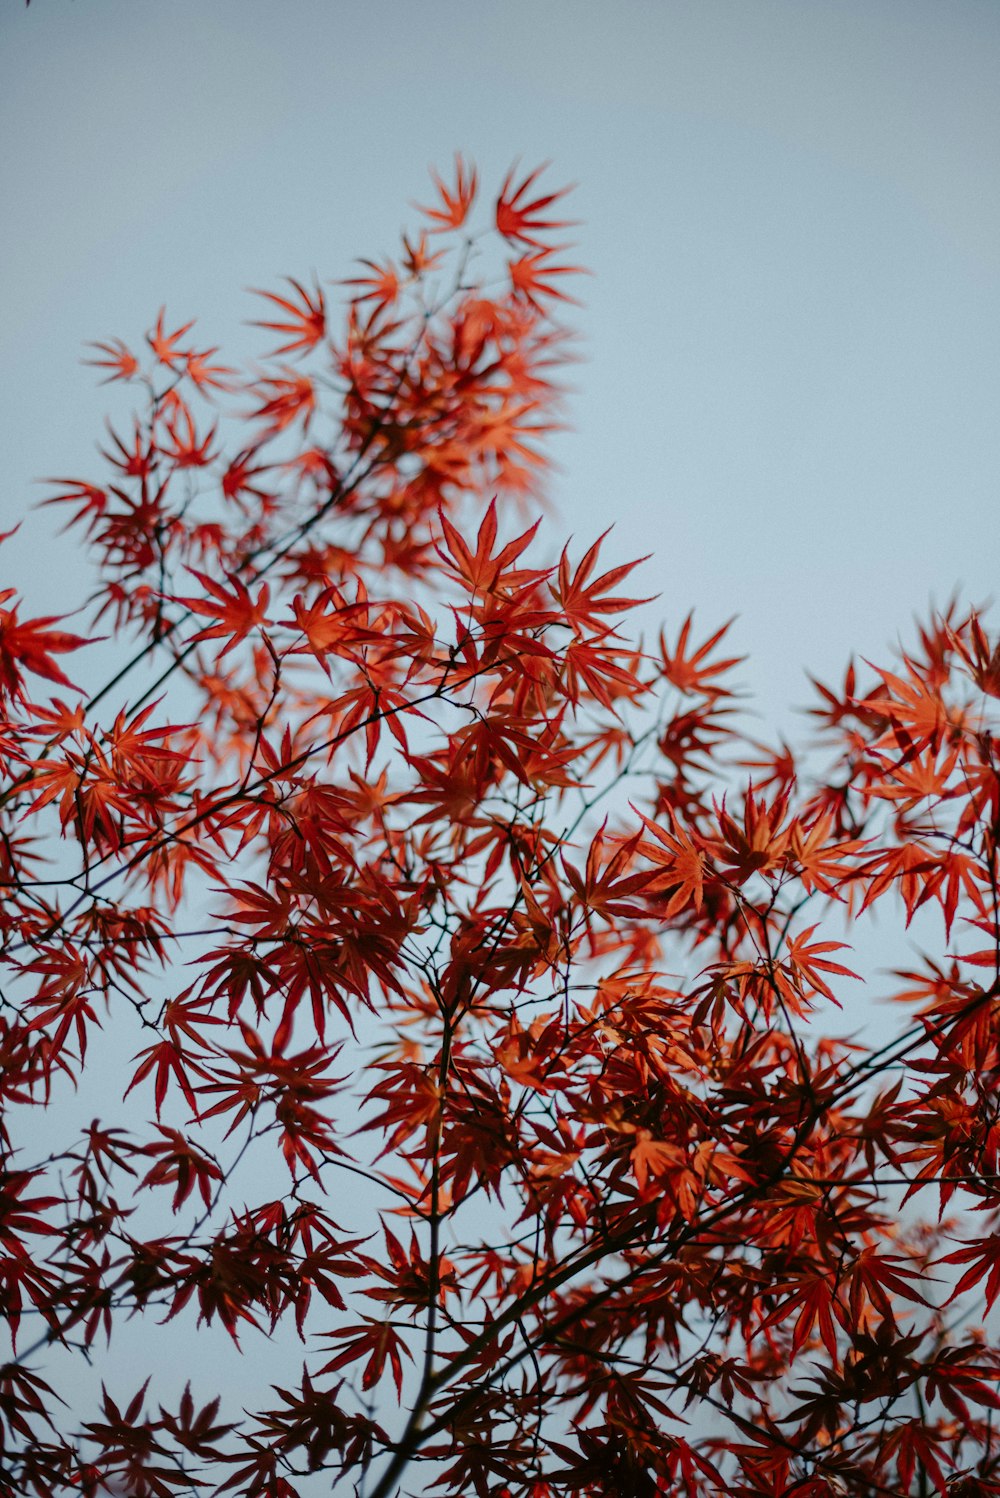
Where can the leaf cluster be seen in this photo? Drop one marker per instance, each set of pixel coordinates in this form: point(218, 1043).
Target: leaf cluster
point(407, 877)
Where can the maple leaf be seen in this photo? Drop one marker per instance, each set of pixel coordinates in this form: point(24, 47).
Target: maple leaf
point(813, 1297)
point(239, 479)
point(29, 645)
point(164, 344)
point(208, 376)
point(680, 865)
point(380, 1342)
point(136, 462)
point(983, 1257)
point(306, 326)
point(287, 399)
point(456, 201)
point(179, 1164)
point(811, 959)
point(915, 709)
point(118, 358)
point(605, 888)
point(167, 1061)
point(694, 672)
point(331, 625)
point(481, 570)
point(654, 1157)
point(823, 865)
point(234, 609)
point(382, 284)
point(874, 1277)
point(981, 658)
point(418, 260)
point(590, 668)
point(912, 1444)
point(532, 277)
point(187, 451)
point(196, 1431)
point(584, 602)
point(90, 500)
point(519, 219)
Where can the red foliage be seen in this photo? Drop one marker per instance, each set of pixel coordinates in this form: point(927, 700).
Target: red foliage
point(404, 875)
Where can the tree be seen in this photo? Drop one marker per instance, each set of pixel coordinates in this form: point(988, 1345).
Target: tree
point(493, 945)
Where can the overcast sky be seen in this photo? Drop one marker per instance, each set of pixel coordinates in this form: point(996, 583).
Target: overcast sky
point(792, 213)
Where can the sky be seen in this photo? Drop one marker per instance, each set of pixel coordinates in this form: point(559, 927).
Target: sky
point(791, 213)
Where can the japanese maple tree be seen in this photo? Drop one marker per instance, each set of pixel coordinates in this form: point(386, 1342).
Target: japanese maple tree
point(413, 977)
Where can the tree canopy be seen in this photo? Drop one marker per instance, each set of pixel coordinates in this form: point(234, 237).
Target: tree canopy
point(449, 980)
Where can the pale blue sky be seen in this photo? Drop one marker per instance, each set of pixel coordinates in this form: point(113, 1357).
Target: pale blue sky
point(792, 211)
